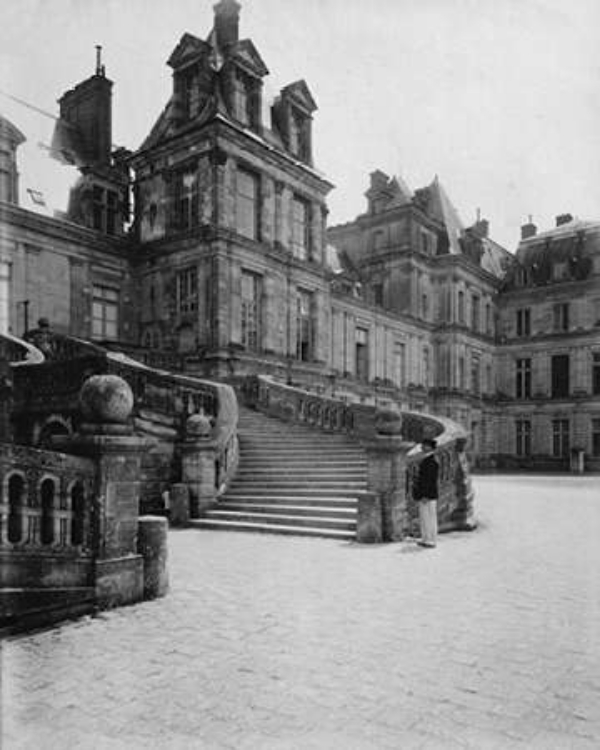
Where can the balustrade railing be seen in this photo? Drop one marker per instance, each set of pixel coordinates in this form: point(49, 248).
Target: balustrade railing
point(45, 502)
point(360, 422)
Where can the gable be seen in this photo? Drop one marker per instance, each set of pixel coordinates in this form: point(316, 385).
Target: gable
point(189, 49)
point(245, 54)
point(300, 94)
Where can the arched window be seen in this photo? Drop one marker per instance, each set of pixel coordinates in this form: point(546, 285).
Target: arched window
point(77, 514)
point(16, 500)
point(47, 493)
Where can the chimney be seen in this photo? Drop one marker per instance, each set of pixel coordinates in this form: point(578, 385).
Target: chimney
point(528, 230)
point(379, 180)
point(227, 22)
point(88, 108)
point(563, 219)
point(482, 228)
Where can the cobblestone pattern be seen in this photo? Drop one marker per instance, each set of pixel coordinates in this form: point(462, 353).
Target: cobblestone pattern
point(492, 640)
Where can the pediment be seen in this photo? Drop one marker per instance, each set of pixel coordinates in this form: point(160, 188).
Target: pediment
point(188, 49)
point(10, 133)
point(300, 95)
point(245, 54)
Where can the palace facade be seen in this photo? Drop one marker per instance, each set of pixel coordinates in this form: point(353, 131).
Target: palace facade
point(208, 248)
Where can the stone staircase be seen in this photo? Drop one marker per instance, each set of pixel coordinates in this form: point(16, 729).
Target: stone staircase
point(291, 480)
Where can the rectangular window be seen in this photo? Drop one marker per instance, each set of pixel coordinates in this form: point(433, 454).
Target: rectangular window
point(523, 378)
point(561, 316)
point(524, 322)
point(378, 294)
point(304, 326)
point(426, 366)
point(105, 312)
point(475, 304)
point(400, 365)
point(187, 290)
point(300, 228)
point(596, 373)
point(251, 310)
point(362, 353)
point(105, 206)
point(475, 375)
point(247, 204)
point(560, 438)
point(4, 296)
point(461, 373)
point(560, 376)
point(596, 438)
point(523, 437)
point(461, 307)
point(488, 320)
point(186, 200)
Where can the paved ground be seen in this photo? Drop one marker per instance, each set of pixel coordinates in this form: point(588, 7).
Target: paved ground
point(490, 641)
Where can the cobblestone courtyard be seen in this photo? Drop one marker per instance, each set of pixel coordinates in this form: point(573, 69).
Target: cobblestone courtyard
point(490, 641)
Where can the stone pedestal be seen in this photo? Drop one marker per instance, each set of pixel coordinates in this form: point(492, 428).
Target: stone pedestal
point(179, 505)
point(386, 474)
point(463, 516)
point(369, 519)
point(198, 464)
point(152, 545)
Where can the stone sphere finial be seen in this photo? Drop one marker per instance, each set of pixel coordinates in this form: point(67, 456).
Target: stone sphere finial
point(388, 422)
point(106, 398)
point(198, 426)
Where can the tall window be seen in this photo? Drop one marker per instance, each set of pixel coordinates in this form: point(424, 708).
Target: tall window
point(244, 96)
point(560, 438)
point(378, 239)
point(523, 435)
point(595, 373)
point(426, 366)
point(461, 373)
point(186, 199)
point(105, 209)
point(4, 298)
point(400, 364)
point(524, 322)
point(362, 353)
point(300, 135)
point(475, 375)
point(251, 310)
point(596, 437)
point(105, 312)
point(475, 305)
point(560, 376)
point(425, 306)
point(488, 319)
point(247, 204)
point(304, 326)
point(523, 379)
point(190, 93)
point(378, 294)
point(187, 290)
point(300, 228)
point(461, 307)
point(561, 316)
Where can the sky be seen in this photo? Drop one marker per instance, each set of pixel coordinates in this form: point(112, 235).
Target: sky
point(499, 98)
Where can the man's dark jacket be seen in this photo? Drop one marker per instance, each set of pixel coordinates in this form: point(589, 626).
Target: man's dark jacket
point(426, 486)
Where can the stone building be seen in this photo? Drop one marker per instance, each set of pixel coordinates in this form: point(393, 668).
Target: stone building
point(548, 355)
point(208, 247)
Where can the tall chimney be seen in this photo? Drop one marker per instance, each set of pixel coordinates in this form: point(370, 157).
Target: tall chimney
point(563, 219)
point(227, 22)
point(528, 230)
point(88, 108)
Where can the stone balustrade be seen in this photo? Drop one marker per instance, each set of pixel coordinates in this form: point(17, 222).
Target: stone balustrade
point(387, 511)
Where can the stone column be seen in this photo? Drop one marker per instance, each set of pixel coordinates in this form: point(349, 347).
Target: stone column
point(198, 459)
point(107, 437)
point(386, 479)
point(463, 515)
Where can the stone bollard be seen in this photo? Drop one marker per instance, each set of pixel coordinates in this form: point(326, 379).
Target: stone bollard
point(152, 546)
point(368, 522)
point(179, 505)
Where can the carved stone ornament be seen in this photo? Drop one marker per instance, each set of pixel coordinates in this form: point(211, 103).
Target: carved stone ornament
point(106, 398)
point(388, 422)
point(198, 426)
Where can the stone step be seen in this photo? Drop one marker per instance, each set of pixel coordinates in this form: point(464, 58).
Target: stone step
point(322, 472)
point(212, 524)
point(279, 491)
point(304, 500)
point(287, 520)
point(284, 480)
point(316, 511)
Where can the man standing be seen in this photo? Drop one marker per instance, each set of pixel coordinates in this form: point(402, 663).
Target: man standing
point(426, 493)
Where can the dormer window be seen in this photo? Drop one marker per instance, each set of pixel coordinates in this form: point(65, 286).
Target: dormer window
point(186, 199)
point(105, 209)
point(300, 135)
point(245, 99)
point(190, 92)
